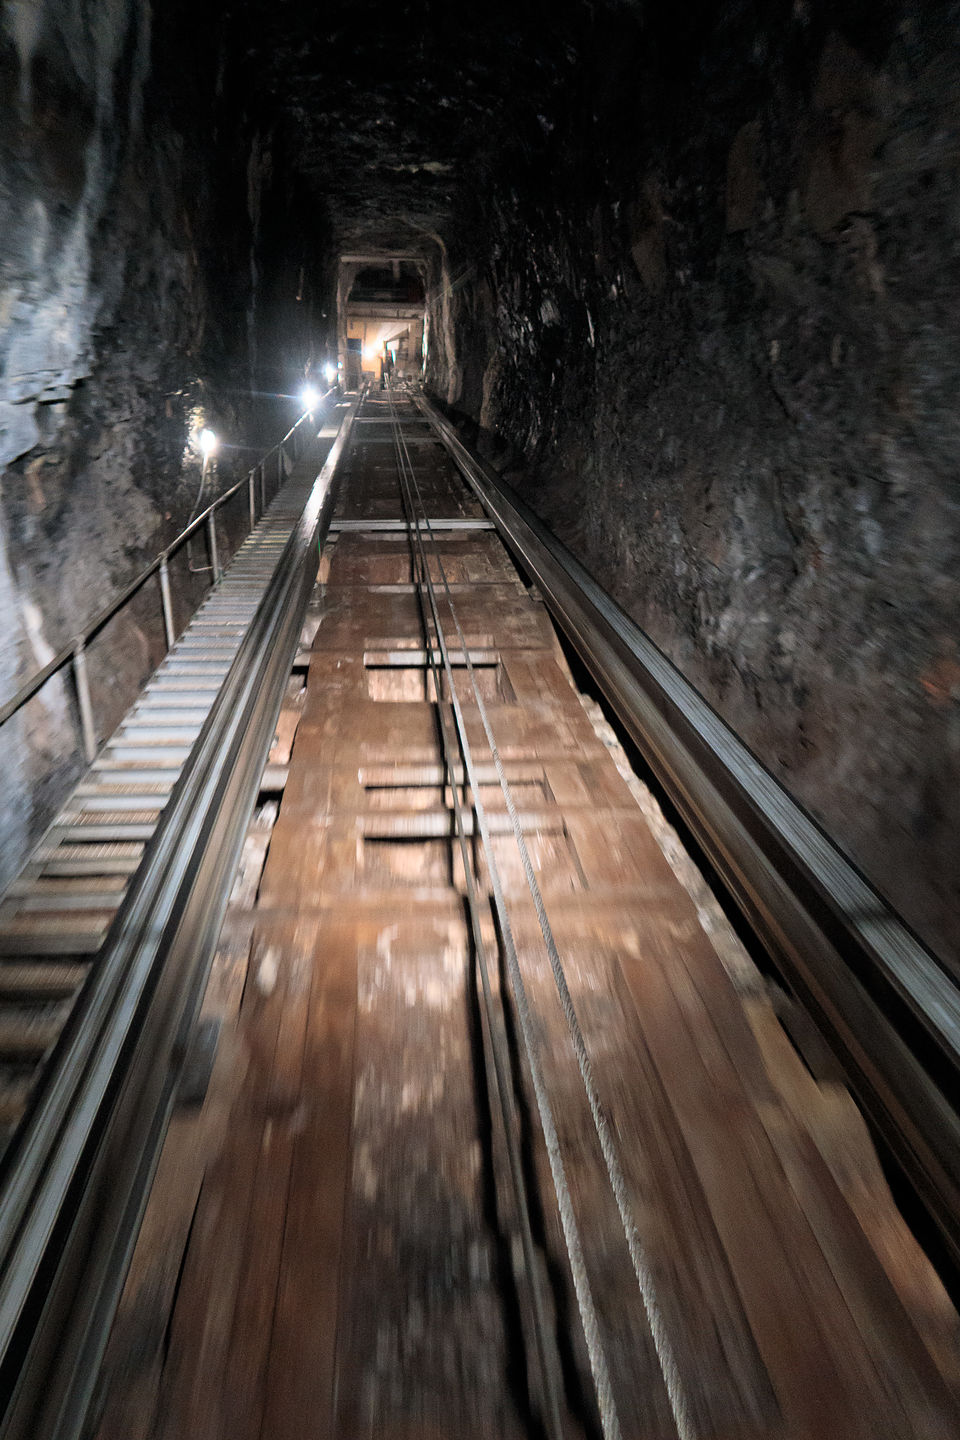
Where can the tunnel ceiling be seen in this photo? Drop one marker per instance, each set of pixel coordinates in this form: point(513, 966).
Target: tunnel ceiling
point(392, 107)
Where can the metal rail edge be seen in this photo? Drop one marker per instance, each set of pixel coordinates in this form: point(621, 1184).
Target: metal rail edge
point(886, 1006)
point(75, 1181)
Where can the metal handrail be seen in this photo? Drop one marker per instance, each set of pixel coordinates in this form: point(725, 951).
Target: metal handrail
point(75, 1179)
point(73, 650)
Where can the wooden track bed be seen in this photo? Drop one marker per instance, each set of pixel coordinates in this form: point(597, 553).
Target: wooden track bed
point(324, 1254)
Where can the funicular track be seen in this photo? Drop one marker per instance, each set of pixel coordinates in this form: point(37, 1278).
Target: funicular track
point(513, 1141)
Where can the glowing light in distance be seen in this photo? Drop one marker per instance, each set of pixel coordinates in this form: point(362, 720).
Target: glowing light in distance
point(330, 371)
point(309, 397)
point(369, 353)
point(208, 443)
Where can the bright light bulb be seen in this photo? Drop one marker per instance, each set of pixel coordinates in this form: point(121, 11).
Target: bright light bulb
point(208, 443)
point(330, 371)
point(309, 397)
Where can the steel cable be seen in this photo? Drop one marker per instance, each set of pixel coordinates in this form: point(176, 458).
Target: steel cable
point(666, 1356)
point(498, 1050)
point(609, 1417)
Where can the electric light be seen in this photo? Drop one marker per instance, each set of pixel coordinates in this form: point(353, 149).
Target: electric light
point(330, 371)
point(309, 397)
point(208, 443)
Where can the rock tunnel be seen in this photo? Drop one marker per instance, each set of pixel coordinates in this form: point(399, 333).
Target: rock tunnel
point(686, 278)
point(691, 284)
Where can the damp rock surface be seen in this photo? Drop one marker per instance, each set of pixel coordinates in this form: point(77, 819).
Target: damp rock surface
point(132, 308)
point(712, 337)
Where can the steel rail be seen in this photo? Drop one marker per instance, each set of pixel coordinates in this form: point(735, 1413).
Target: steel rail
point(88, 631)
point(75, 1180)
point(888, 1009)
point(496, 1053)
point(583, 1288)
point(676, 1391)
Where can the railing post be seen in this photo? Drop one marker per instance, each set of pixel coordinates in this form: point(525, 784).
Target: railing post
point(212, 543)
point(82, 681)
point(72, 654)
point(165, 601)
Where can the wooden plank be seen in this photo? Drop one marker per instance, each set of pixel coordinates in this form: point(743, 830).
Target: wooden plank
point(287, 722)
point(423, 1337)
point(133, 1369)
point(224, 1239)
point(827, 1115)
point(908, 1375)
point(725, 1380)
point(345, 1275)
point(300, 1378)
point(823, 1377)
point(281, 1100)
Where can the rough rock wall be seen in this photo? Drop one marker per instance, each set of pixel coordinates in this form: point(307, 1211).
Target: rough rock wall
point(132, 183)
point(712, 326)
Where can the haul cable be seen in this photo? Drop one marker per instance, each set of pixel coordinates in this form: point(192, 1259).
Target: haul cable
point(497, 1058)
point(676, 1392)
point(609, 1417)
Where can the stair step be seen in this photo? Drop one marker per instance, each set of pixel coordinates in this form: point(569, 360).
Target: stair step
point(50, 981)
point(72, 867)
point(14, 1095)
point(158, 713)
point(209, 627)
point(94, 815)
point(159, 732)
point(132, 772)
point(110, 888)
point(192, 665)
point(50, 904)
point(172, 707)
point(91, 854)
point(181, 690)
point(123, 797)
point(154, 752)
point(206, 645)
point(79, 934)
point(29, 1034)
point(114, 832)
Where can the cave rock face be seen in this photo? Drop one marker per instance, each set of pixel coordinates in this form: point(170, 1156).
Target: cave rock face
point(61, 112)
point(137, 207)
